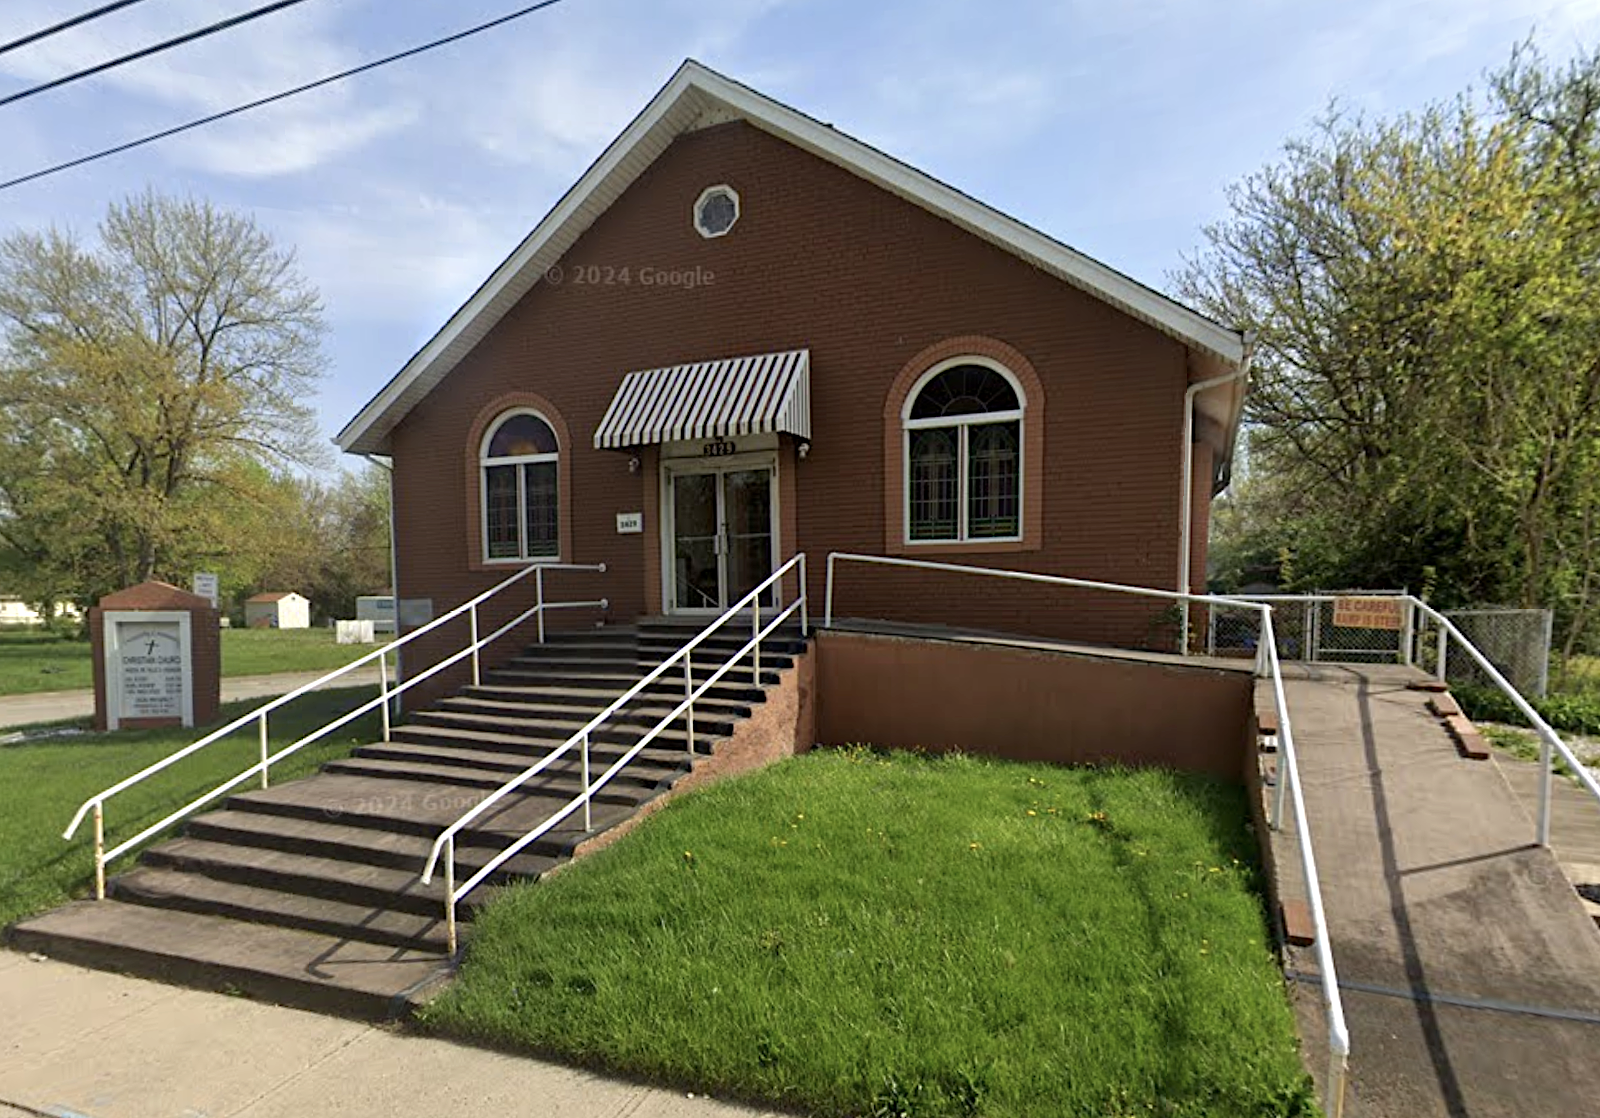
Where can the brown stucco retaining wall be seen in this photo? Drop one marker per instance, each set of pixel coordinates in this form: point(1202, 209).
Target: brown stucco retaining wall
point(781, 727)
point(1031, 705)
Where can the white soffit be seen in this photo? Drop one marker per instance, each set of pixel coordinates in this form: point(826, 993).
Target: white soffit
point(694, 97)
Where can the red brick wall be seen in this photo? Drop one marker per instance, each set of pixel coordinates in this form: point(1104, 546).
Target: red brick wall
point(867, 281)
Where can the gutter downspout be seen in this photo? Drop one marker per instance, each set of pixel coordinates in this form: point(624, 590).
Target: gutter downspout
point(1186, 526)
point(394, 574)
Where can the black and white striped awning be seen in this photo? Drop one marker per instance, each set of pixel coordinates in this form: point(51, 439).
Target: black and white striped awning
point(769, 392)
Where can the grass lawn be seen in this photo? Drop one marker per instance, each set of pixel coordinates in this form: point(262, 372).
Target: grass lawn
point(32, 660)
point(851, 933)
point(45, 781)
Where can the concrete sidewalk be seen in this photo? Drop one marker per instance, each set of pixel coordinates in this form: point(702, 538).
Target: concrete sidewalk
point(1470, 972)
point(95, 1045)
point(59, 706)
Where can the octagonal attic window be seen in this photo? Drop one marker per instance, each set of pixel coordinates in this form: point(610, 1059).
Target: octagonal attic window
point(716, 210)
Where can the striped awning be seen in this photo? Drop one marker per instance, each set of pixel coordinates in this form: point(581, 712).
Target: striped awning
point(711, 400)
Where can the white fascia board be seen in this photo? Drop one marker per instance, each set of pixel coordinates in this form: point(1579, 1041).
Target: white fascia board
point(354, 437)
point(368, 431)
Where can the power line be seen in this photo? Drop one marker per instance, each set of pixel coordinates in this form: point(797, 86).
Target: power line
point(282, 96)
point(157, 48)
point(66, 25)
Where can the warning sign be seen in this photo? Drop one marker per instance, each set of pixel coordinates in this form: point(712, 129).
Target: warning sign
point(1369, 613)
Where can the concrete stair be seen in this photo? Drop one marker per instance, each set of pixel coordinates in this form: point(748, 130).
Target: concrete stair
point(309, 893)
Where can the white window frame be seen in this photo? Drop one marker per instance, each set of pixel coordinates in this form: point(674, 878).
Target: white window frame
point(519, 460)
point(738, 208)
point(963, 472)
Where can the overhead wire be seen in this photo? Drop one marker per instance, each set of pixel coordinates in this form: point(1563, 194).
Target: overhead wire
point(261, 102)
point(154, 49)
point(65, 25)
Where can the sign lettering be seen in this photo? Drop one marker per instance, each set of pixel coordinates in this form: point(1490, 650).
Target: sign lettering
point(1369, 613)
point(721, 448)
point(150, 667)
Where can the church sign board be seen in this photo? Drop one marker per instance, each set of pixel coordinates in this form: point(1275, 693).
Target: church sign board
point(157, 658)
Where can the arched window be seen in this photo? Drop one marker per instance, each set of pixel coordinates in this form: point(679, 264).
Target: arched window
point(963, 447)
point(520, 460)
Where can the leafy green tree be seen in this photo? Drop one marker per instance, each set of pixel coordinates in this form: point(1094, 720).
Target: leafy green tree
point(149, 381)
point(1425, 298)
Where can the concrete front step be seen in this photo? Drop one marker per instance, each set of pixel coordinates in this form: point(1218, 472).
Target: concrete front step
point(369, 845)
point(332, 974)
point(562, 675)
point(620, 727)
point(650, 768)
point(562, 784)
point(595, 696)
point(671, 738)
point(190, 892)
point(406, 807)
point(646, 708)
point(304, 874)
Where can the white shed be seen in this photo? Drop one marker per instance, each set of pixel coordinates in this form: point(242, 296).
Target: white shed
point(277, 610)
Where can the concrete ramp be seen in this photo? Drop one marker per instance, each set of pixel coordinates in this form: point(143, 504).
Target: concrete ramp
point(1470, 970)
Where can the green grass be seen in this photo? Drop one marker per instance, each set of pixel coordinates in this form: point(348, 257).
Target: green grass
point(1572, 712)
point(45, 781)
point(32, 660)
point(849, 933)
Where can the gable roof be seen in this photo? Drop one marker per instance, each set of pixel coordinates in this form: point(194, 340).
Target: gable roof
point(695, 97)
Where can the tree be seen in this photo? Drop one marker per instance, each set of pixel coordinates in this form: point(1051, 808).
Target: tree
point(1425, 298)
point(148, 381)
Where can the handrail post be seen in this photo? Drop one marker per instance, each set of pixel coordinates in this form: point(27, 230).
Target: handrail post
point(1546, 775)
point(264, 748)
point(827, 593)
point(383, 683)
point(99, 851)
point(473, 618)
point(805, 619)
point(1443, 652)
point(688, 694)
point(1408, 633)
point(538, 600)
point(450, 894)
point(1338, 1072)
point(588, 790)
point(1283, 786)
point(755, 635)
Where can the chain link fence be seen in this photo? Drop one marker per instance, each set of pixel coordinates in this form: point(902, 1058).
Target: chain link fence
point(1359, 626)
point(1515, 641)
point(1316, 627)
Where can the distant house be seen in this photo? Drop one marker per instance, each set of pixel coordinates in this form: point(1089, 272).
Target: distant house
point(277, 610)
point(15, 611)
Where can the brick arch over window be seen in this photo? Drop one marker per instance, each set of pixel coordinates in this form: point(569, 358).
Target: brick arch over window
point(486, 418)
point(1033, 439)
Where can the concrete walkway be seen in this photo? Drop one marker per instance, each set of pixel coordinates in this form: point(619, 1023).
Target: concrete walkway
point(59, 706)
point(95, 1045)
point(1470, 972)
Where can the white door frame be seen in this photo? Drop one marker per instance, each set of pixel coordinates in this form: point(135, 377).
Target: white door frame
point(671, 468)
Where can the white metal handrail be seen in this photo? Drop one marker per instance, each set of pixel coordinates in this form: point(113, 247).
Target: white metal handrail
point(1549, 741)
point(1267, 666)
point(259, 715)
point(444, 845)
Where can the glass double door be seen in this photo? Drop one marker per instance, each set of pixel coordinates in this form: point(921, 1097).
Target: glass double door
point(721, 535)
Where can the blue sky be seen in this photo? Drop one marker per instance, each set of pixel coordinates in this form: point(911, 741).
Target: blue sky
point(1113, 126)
